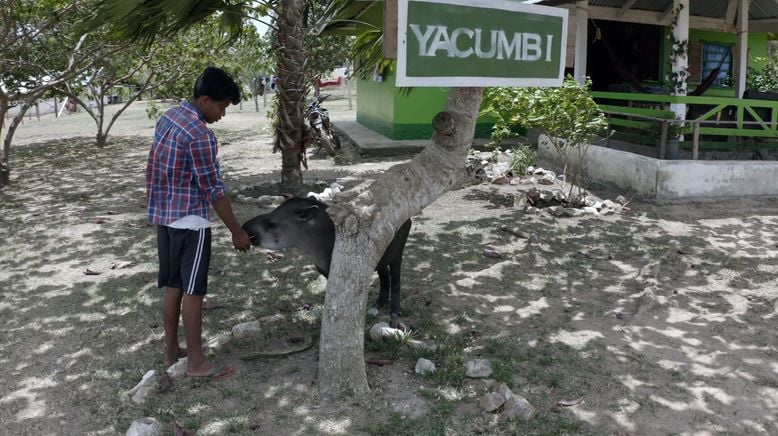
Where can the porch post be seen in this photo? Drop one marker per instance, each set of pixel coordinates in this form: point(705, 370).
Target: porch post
point(680, 67)
point(742, 48)
point(581, 39)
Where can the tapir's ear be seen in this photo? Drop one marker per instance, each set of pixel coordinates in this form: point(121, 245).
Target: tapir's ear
point(309, 213)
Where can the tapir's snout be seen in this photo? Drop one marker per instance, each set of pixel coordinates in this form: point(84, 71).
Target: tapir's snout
point(249, 228)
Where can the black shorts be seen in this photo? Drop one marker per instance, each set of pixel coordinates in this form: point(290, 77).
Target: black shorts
point(184, 257)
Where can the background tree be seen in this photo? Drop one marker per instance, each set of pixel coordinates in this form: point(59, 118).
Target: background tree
point(42, 47)
point(93, 88)
point(325, 52)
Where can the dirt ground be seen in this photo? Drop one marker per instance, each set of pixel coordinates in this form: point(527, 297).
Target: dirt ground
point(662, 320)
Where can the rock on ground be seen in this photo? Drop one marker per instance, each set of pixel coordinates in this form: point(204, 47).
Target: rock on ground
point(145, 427)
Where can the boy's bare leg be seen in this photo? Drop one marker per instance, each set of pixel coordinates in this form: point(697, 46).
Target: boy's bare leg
point(192, 313)
point(171, 311)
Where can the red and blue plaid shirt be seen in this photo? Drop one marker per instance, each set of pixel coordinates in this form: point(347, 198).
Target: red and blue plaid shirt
point(182, 174)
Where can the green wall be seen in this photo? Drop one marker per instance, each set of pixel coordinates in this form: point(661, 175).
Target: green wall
point(392, 111)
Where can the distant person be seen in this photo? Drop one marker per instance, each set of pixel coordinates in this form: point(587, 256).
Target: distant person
point(182, 180)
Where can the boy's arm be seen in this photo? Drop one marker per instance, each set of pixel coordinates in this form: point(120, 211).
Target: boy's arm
point(240, 239)
point(206, 170)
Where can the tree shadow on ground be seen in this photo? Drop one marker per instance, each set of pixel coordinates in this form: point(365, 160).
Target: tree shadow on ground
point(662, 320)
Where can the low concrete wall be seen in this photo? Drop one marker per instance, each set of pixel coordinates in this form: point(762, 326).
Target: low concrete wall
point(674, 179)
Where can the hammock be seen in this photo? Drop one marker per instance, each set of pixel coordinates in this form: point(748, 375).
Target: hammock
point(634, 82)
point(623, 71)
point(712, 76)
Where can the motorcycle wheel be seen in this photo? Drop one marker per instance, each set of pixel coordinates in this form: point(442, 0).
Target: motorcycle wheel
point(325, 140)
point(335, 141)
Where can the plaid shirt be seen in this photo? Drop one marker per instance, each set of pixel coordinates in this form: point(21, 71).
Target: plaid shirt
point(182, 174)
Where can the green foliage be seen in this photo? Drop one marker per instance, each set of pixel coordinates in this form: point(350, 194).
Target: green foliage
point(325, 52)
point(153, 111)
point(368, 53)
point(523, 157)
point(567, 112)
point(567, 115)
point(766, 79)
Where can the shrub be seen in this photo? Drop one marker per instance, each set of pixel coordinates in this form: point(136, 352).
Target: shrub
point(567, 115)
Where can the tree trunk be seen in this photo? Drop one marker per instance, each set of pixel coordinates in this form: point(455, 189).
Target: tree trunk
point(5, 173)
point(291, 91)
point(365, 223)
point(5, 158)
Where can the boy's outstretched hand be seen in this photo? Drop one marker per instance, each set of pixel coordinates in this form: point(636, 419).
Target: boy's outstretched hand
point(241, 240)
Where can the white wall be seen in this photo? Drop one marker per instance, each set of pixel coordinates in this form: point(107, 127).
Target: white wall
point(674, 179)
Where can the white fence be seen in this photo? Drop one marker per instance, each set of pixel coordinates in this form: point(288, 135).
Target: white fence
point(50, 106)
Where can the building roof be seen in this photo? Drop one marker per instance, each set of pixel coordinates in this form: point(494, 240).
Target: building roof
point(716, 14)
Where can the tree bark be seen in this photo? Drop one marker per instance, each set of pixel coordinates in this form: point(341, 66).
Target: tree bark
point(291, 90)
point(5, 158)
point(5, 170)
point(366, 222)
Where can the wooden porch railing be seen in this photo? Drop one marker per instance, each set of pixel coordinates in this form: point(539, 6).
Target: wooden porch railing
point(712, 116)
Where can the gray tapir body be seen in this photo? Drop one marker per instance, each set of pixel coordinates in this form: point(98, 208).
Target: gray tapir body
point(303, 223)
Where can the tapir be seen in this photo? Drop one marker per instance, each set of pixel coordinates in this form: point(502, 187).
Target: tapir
point(304, 224)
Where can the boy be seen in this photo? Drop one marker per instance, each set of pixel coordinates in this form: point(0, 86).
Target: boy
point(182, 180)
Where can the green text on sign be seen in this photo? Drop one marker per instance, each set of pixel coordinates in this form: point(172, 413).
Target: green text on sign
point(484, 43)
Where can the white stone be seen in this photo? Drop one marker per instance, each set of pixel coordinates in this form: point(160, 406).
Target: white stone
point(139, 393)
point(479, 368)
point(424, 366)
point(518, 407)
point(382, 330)
point(373, 311)
point(145, 427)
point(547, 179)
point(421, 345)
point(245, 330)
point(218, 343)
point(491, 401)
point(505, 391)
point(178, 369)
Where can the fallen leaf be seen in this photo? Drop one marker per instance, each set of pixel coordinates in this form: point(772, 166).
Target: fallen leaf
point(180, 430)
point(568, 403)
point(89, 272)
point(491, 252)
point(98, 221)
point(110, 212)
point(120, 265)
point(272, 256)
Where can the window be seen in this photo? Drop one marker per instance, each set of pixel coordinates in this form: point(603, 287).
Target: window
point(714, 55)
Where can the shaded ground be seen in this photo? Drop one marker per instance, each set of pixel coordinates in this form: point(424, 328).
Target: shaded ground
point(663, 319)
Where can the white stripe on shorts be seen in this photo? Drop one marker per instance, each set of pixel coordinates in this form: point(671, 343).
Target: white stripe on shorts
point(200, 243)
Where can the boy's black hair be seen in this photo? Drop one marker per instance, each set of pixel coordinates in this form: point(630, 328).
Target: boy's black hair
point(217, 84)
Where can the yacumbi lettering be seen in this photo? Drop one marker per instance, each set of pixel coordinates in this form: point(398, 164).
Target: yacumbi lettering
point(463, 42)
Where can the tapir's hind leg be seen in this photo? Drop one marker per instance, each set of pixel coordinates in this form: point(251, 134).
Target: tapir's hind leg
point(383, 294)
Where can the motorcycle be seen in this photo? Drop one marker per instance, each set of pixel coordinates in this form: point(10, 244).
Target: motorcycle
point(319, 120)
